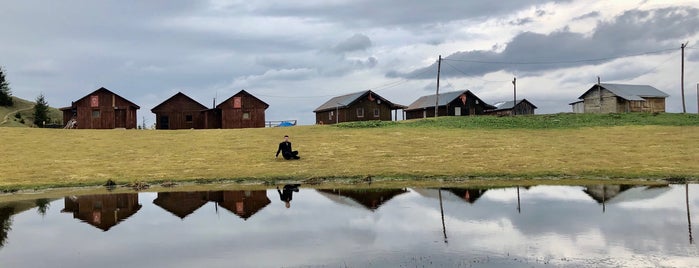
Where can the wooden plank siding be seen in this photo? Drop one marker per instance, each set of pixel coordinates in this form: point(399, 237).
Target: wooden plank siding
point(242, 110)
point(102, 109)
point(359, 106)
point(464, 105)
point(180, 112)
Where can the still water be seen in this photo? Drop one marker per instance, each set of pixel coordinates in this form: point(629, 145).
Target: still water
point(536, 226)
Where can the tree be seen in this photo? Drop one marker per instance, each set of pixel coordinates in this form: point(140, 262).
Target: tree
point(41, 111)
point(5, 93)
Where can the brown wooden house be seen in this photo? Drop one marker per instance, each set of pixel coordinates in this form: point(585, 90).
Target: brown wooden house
point(102, 109)
point(241, 203)
point(456, 103)
point(242, 110)
point(181, 204)
point(360, 106)
point(522, 107)
point(182, 112)
point(622, 98)
point(370, 199)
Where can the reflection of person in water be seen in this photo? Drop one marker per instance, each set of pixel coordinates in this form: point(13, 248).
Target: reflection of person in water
point(288, 193)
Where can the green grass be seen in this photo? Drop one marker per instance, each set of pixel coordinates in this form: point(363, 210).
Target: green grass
point(444, 149)
point(27, 114)
point(546, 121)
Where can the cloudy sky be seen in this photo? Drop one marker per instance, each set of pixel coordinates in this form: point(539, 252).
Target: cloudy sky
point(295, 56)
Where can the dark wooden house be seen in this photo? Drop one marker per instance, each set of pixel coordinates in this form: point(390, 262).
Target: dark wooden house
point(622, 98)
point(242, 110)
point(360, 106)
point(181, 204)
point(522, 107)
point(102, 109)
point(102, 211)
point(241, 203)
point(182, 112)
point(370, 199)
point(456, 103)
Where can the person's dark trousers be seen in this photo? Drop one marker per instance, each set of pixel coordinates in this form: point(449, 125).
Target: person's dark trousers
point(291, 155)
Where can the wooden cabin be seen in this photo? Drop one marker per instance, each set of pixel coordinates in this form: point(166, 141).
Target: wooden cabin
point(102, 109)
point(523, 107)
point(181, 112)
point(242, 110)
point(360, 106)
point(242, 202)
point(456, 103)
point(622, 98)
point(181, 204)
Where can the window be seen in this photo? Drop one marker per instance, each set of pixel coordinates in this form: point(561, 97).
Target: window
point(330, 115)
point(188, 118)
point(164, 122)
point(246, 115)
point(457, 111)
point(377, 112)
point(95, 113)
point(360, 112)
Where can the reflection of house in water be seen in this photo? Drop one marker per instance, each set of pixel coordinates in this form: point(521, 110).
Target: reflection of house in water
point(368, 198)
point(181, 204)
point(468, 195)
point(607, 194)
point(102, 211)
point(241, 203)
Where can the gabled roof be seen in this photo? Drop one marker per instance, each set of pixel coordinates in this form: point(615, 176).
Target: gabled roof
point(506, 105)
point(108, 91)
point(176, 95)
point(630, 92)
point(444, 99)
point(345, 101)
point(240, 93)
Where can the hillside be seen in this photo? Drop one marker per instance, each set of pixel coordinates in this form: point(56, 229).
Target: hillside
point(428, 149)
point(25, 109)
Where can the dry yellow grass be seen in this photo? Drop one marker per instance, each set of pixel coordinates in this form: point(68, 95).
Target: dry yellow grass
point(56, 157)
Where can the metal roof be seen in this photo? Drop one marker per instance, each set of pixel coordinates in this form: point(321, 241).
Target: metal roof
point(505, 105)
point(345, 100)
point(444, 99)
point(630, 92)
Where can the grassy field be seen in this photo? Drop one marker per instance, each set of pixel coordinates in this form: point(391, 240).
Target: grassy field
point(25, 109)
point(446, 148)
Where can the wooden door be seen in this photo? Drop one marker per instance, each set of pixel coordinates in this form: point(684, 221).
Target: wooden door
point(120, 118)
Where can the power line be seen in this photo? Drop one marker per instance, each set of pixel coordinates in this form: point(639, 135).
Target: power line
point(472, 76)
point(561, 61)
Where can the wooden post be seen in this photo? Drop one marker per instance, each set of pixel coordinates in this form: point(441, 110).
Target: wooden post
point(519, 208)
point(514, 84)
point(436, 99)
point(689, 219)
point(599, 91)
point(441, 209)
point(684, 108)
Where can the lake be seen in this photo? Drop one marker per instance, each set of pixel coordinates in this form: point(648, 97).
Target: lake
point(534, 226)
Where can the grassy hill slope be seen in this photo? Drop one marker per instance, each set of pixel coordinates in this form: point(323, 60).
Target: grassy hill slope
point(26, 112)
point(434, 148)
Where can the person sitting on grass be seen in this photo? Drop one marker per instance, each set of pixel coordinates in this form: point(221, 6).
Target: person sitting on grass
point(285, 149)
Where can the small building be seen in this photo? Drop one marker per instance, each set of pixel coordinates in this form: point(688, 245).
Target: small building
point(622, 98)
point(102, 211)
point(455, 103)
point(577, 106)
point(359, 106)
point(522, 107)
point(180, 112)
point(242, 110)
point(102, 109)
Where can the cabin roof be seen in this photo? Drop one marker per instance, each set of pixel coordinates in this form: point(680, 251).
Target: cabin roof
point(240, 93)
point(345, 101)
point(444, 99)
point(178, 94)
point(102, 89)
point(506, 105)
point(630, 92)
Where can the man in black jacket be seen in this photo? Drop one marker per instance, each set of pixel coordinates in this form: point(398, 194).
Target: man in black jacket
point(285, 149)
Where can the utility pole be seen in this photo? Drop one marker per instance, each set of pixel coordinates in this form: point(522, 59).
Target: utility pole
point(514, 83)
point(684, 108)
point(436, 97)
point(697, 98)
point(599, 92)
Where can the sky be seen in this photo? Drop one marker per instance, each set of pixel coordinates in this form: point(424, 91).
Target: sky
point(295, 55)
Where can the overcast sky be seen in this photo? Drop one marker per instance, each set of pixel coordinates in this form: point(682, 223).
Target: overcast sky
point(295, 56)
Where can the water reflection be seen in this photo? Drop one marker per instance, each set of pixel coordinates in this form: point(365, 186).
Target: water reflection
point(370, 199)
point(288, 194)
point(562, 226)
point(102, 211)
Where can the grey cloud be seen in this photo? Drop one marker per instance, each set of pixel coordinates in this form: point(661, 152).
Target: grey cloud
point(521, 21)
point(634, 31)
point(354, 43)
point(593, 14)
point(397, 13)
point(541, 12)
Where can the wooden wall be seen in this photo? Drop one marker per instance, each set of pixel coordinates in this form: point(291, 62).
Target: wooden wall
point(610, 103)
point(103, 109)
point(177, 110)
point(469, 105)
point(242, 111)
point(351, 113)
